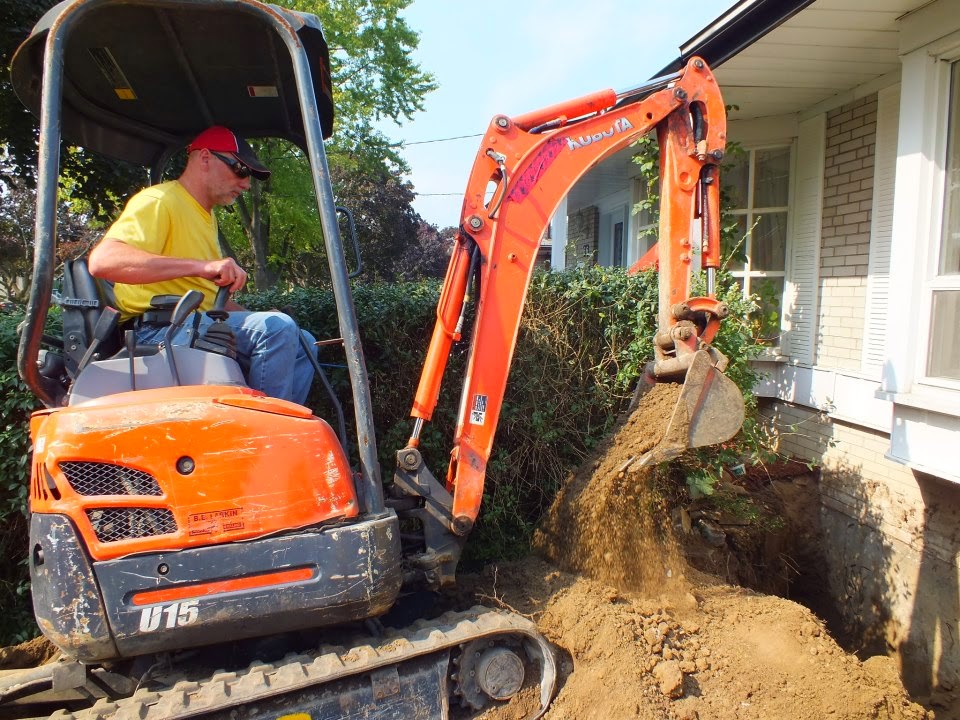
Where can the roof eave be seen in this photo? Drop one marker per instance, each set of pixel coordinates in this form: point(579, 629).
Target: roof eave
point(738, 28)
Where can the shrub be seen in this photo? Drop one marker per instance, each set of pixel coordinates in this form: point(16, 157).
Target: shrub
point(16, 403)
point(584, 338)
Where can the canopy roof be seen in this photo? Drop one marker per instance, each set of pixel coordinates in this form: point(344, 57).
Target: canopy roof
point(140, 81)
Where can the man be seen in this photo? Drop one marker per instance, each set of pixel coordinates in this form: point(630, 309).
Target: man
point(165, 243)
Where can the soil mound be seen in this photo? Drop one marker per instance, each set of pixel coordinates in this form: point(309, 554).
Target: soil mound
point(641, 634)
point(717, 652)
point(31, 653)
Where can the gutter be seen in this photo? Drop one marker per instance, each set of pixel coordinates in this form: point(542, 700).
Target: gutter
point(735, 30)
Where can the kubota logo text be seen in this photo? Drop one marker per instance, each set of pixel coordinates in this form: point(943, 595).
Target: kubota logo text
point(621, 125)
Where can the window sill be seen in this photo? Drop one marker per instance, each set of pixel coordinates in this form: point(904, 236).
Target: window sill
point(942, 402)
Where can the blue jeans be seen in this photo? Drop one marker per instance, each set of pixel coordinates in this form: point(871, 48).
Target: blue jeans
point(268, 349)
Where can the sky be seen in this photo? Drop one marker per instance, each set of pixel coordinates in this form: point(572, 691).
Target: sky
point(511, 58)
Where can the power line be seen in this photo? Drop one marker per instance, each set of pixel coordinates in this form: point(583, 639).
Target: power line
point(427, 142)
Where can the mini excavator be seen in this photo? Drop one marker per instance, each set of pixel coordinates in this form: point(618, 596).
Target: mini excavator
point(172, 508)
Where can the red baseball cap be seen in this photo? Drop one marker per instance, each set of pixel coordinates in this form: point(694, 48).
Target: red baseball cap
point(220, 139)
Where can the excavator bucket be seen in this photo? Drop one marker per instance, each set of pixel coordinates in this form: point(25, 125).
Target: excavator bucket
point(709, 410)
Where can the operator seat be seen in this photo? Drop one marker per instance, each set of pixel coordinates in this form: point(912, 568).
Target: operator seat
point(111, 370)
point(83, 301)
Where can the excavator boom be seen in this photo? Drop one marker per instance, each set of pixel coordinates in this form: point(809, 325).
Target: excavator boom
point(524, 168)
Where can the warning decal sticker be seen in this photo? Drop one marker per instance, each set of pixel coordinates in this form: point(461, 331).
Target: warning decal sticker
point(478, 414)
point(216, 521)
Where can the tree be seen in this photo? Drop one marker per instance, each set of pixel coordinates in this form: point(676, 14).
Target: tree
point(429, 255)
point(374, 77)
point(16, 239)
point(386, 223)
point(76, 232)
point(17, 126)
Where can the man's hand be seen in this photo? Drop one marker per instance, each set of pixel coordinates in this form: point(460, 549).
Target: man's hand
point(225, 273)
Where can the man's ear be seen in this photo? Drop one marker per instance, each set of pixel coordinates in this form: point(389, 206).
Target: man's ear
point(205, 158)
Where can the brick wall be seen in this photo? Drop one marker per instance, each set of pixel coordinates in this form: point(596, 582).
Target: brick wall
point(845, 233)
point(583, 230)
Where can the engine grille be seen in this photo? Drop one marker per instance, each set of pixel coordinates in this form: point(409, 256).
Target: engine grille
point(115, 524)
point(97, 478)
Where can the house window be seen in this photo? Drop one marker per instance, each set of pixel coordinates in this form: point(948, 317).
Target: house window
point(757, 186)
point(618, 258)
point(943, 355)
point(647, 209)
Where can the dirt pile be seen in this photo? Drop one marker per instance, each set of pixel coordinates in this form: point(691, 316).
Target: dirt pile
point(31, 653)
point(642, 634)
point(715, 653)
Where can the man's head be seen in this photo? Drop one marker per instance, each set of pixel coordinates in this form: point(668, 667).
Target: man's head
point(232, 150)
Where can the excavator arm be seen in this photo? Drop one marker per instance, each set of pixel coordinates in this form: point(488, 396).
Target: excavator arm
point(524, 168)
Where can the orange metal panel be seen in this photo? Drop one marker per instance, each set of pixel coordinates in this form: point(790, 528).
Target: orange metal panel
point(259, 466)
point(250, 582)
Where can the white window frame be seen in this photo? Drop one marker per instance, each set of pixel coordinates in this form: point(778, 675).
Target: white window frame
point(933, 281)
point(918, 214)
point(926, 411)
point(747, 274)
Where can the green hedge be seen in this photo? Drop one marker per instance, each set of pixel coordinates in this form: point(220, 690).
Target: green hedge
point(584, 338)
point(16, 403)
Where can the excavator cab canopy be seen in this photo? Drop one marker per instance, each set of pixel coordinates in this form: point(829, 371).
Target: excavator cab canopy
point(140, 80)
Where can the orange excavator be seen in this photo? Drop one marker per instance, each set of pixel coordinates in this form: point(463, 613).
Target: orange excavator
point(172, 508)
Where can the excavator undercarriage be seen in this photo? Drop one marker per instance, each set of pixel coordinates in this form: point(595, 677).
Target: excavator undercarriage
point(467, 657)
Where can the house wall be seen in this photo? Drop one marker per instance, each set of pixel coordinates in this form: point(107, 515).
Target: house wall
point(845, 233)
point(890, 508)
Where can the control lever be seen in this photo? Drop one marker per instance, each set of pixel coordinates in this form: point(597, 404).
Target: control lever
point(219, 337)
point(105, 325)
point(130, 341)
point(184, 309)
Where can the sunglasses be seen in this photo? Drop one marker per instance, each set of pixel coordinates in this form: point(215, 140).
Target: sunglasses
point(239, 169)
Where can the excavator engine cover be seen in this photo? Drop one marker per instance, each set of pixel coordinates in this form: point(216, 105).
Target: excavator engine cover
point(177, 517)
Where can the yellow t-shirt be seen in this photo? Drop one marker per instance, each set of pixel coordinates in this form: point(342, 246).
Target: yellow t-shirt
point(166, 220)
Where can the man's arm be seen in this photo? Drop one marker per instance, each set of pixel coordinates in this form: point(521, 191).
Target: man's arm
point(116, 261)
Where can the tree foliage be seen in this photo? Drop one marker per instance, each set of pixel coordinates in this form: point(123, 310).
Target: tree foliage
point(429, 255)
point(374, 77)
point(374, 73)
point(76, 230)
point(385, 220)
